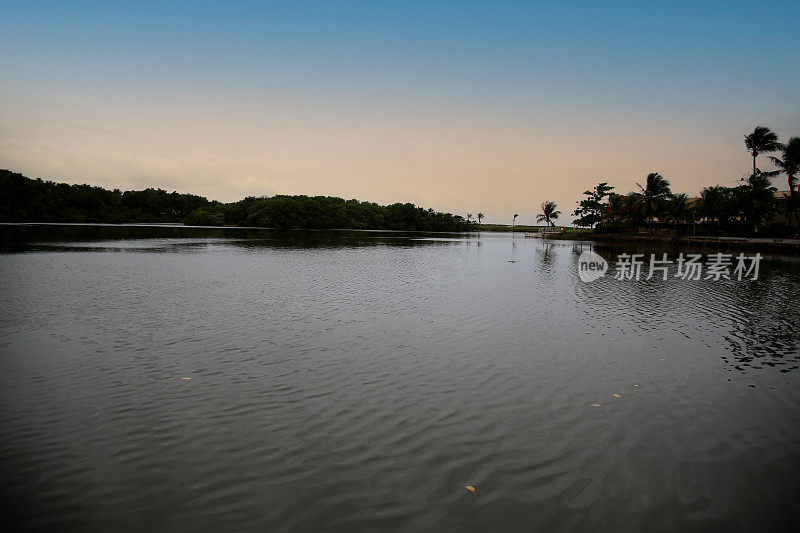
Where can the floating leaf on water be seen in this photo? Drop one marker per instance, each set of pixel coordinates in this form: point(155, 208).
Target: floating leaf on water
point(597, 405)
point(513, 261)
point(615, 395)
point(186, 378)
point(470, 488)
point(635, 385)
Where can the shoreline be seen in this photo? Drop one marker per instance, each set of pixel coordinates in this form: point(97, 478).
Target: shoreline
point(757, 244)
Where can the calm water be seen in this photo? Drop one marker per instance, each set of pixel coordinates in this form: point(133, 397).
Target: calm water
point(358, 381)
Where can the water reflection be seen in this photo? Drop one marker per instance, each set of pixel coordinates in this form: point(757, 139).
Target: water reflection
point(160, 238)
point(359, 380)
point(754, 317)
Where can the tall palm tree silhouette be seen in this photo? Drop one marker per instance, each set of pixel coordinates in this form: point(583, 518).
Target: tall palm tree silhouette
point(762, 141)
point(653, 195)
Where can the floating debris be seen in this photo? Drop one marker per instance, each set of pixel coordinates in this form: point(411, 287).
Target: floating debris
point(635, 385)
point(470, 488)
point(513, 261)
point(615, 395)
point(597, 405)
point(186, 378)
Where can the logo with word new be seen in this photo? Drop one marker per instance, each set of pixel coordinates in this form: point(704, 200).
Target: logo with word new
point(633, 267)
point(591, 266)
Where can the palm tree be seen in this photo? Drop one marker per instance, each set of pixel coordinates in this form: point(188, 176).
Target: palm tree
point(716, 204)
point(548, 214)
point(469, 217)
point(763, 140)
point(480, 216)
point(758, 199)
point(514, 220)
point(790, 162)
point(633, 209)
point(678, 209)
point(653, 195)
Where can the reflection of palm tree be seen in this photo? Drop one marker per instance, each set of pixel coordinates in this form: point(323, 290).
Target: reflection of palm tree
point(763, 140)
point(545, 255)
point(480, 216)
point(548, 214)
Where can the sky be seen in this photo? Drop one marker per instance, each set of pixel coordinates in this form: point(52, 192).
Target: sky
point(464, 107)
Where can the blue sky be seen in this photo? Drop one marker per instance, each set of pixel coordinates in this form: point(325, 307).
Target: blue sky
point(460, 106)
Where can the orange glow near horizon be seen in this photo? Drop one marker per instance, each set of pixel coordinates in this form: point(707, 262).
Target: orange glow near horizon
point(497, 167)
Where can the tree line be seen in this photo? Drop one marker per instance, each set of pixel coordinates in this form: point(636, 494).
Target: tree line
point(737, 210)
point(34, 200)
point(325, 212)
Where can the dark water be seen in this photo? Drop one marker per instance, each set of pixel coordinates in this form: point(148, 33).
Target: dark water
point(358, 381)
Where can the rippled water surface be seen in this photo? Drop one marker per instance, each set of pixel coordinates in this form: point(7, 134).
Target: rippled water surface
point(358, 381)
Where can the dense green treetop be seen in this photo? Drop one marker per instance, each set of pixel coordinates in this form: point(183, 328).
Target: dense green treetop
point(27, 200)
